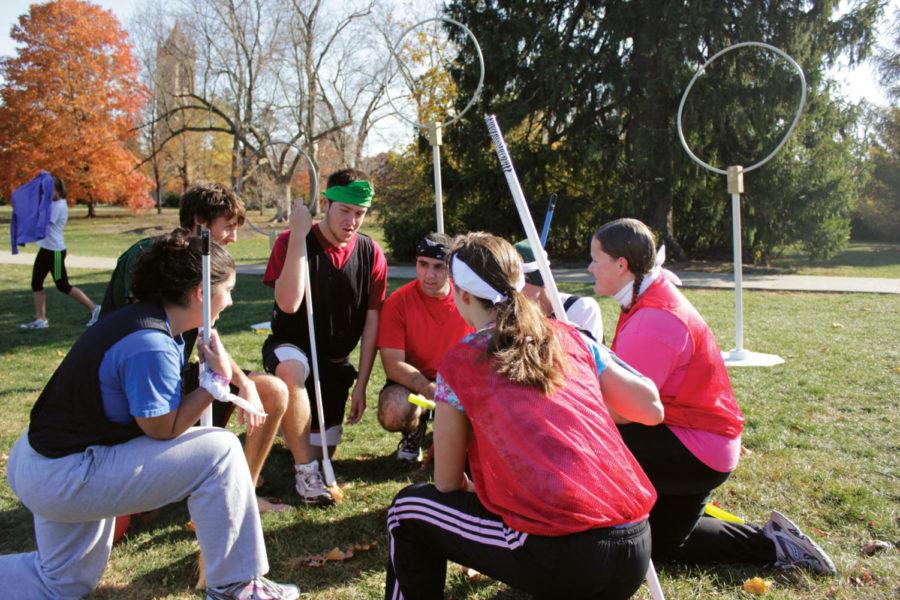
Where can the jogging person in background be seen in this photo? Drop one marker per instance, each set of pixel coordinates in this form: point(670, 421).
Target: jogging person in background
point(559, 508)
point(216, 207)
point(51, 258)
point(582, 311)
point(112, 433)
point(419, 323)
point(348, 276)
point(697, 446)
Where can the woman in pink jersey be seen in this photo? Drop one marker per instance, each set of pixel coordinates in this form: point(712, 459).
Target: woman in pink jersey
point(697, 446)
point(556, 505)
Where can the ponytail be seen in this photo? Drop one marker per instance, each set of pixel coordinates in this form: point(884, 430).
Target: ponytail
point(523, 346)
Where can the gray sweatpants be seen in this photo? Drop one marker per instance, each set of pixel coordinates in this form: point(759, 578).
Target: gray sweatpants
point(74, 500)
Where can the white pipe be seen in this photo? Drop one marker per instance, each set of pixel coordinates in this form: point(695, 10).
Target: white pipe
point(738, 273)
point(327, 469)
point(525, 216)
point(438, 191)
point(206, 417)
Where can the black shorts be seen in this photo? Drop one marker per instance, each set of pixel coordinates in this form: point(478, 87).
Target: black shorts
point(53, 262)
point(336, 380)
point(190, 381)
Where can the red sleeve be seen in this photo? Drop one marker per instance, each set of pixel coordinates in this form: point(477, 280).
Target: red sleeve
point(276, 259)
point(391, 331)
point(378, 287)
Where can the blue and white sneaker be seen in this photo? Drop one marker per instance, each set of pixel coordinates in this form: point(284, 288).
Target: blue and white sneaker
point(793, 548)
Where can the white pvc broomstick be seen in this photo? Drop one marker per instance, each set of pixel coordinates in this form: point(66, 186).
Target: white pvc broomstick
point(247, 407)
point(544, 266)
point(206, 417)
point(327, 469)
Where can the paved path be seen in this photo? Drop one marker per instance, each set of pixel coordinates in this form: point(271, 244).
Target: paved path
point(691, 279)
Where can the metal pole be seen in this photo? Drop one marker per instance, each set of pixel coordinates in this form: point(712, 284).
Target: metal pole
point(434, 138)
point(736, 188)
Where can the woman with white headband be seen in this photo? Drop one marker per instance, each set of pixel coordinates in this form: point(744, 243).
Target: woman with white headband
point(696, 448)
point(556, 505)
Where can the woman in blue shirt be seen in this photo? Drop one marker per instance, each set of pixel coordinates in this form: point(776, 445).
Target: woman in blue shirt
point(112, 434)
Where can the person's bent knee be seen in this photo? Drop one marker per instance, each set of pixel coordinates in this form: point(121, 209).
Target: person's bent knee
point(292, 372)
point(395, 413)
point(64, 286)
point(273, 393)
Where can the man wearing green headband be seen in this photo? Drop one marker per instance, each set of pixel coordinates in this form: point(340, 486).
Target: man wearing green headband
point(348, 277)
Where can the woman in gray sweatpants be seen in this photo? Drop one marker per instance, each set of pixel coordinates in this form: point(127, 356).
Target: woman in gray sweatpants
point(112, 434)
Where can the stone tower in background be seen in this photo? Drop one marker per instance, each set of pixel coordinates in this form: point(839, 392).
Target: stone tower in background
point(175, 64)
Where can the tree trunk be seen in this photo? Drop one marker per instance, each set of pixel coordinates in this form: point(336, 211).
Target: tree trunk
point(283, 195)
point(91, 212)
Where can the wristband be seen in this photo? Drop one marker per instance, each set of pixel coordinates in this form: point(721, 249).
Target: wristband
point(214, 383)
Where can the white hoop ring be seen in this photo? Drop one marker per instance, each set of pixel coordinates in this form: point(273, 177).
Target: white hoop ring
point(790, 130)
point(393, 57)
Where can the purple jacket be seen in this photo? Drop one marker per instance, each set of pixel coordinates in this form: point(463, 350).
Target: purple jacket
point(31, 211)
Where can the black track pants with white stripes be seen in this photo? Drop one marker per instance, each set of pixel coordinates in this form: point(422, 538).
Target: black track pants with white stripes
point(427, 528)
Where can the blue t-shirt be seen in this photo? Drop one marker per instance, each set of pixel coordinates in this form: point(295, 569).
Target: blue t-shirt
point(140, 376)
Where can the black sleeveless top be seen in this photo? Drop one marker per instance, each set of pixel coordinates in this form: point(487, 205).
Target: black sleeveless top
point(340, 302)
point(68, 415)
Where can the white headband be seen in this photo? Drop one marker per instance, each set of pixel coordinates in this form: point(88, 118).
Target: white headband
point(468, 280)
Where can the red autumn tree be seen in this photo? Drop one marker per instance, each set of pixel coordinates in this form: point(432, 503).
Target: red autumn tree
point(70, 103)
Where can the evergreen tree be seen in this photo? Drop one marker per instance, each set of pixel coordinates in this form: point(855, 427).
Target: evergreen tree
point(586, 92)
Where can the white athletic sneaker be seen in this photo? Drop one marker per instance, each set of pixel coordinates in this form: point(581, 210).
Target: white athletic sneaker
point(310, 485)
point(36, 324)
point(95, 314)
point(258, 588)
point(793, 548)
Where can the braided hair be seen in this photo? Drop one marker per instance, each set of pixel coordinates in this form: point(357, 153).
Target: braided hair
point(632, 240)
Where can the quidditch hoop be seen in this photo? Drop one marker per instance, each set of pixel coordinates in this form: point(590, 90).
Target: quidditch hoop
point(790, 130)
point(393, 57)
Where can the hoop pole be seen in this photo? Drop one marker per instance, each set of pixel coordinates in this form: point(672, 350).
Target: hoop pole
point(653, 583)
point(434, 138)
point(735, 187)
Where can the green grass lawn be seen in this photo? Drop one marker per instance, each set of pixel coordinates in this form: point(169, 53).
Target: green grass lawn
point(818, 434)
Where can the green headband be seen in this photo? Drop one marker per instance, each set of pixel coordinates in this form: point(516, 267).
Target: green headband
point(357, 192)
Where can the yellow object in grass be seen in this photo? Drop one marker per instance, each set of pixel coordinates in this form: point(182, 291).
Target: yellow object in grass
point(723, 515)
point(420, 400)
point(757, 586)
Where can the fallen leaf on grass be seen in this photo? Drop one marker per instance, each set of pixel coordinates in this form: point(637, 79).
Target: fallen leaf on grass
point(757, 585)
point(472, 575)
point(862, 577)
point(260, 331)
point(336, 493)
point(334, 555)
point(60, 354)
point(876, 546)
point(837, 326)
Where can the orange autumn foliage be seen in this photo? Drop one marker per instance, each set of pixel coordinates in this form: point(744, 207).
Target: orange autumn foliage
point(70, 103)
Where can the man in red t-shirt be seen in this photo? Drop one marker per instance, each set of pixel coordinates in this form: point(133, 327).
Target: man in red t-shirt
point(419, 322)
point(348, 277)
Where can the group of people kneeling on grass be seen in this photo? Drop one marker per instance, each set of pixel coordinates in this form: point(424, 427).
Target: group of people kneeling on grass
point(554, 465)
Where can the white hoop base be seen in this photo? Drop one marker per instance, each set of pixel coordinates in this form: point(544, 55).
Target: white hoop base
point(746, 358)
